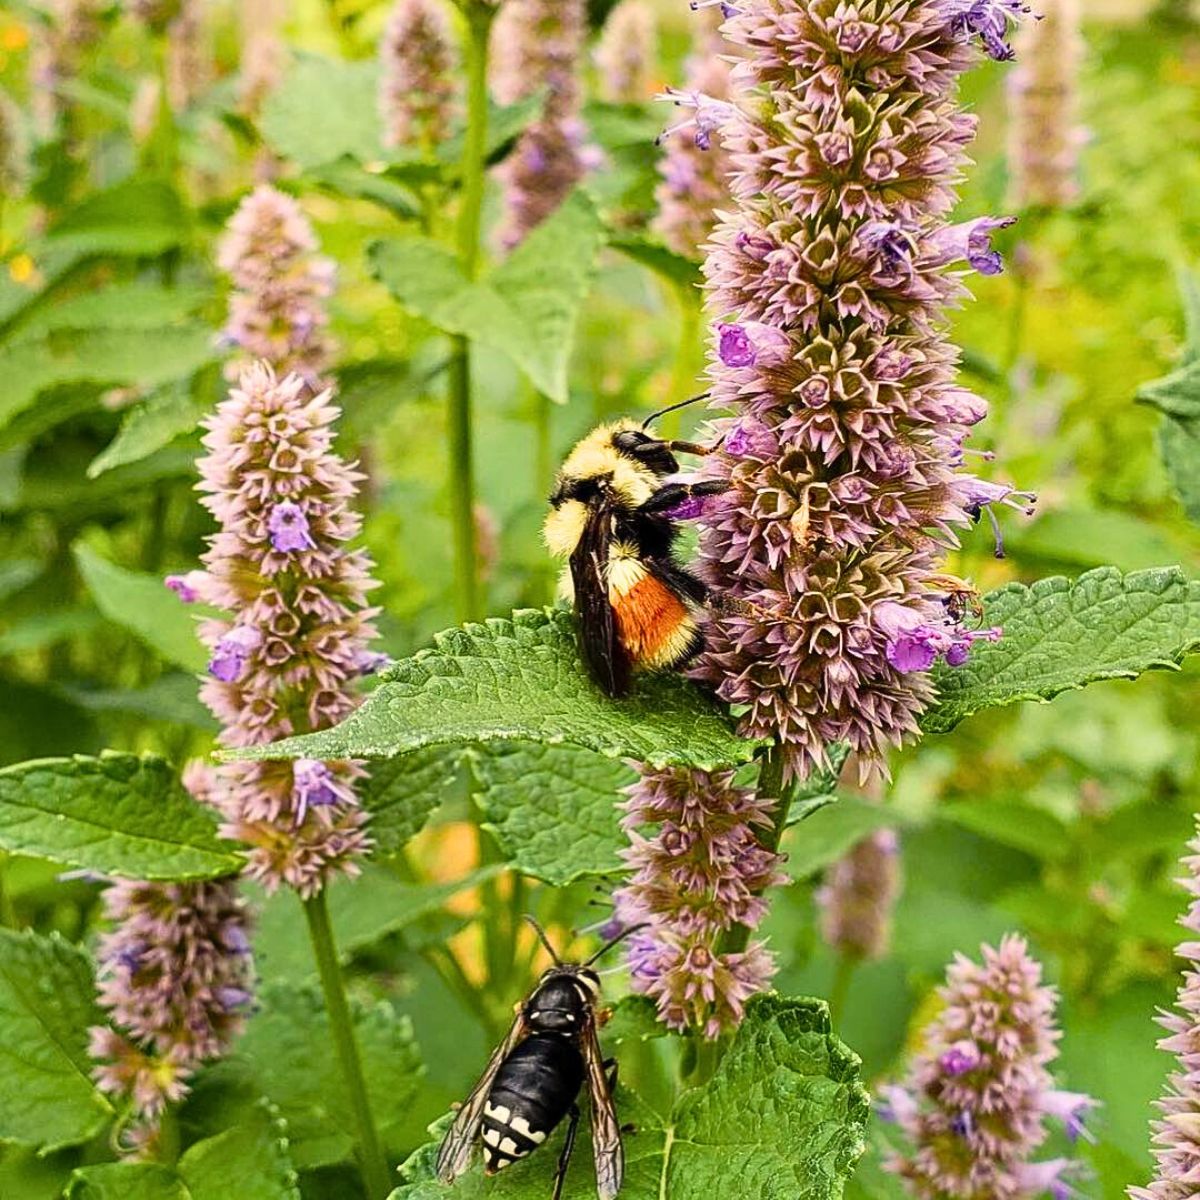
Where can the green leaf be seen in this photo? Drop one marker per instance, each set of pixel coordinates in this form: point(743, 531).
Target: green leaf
point(136, 305)
point(527, 308)
point(169, 698)
point(323, 110)
point(285, 1050)
point(402, 793)
point(119, 814)
point(137, 217)
point(142, 604)
point(251, 1159)
point(676, 269)
point(554, 809)
point(149, 427)
point(1061, 634)
point(47, 629)
point(126, 1181)
point(346, 177)
point(1177, 397)
point(521, 679)
point(47, 1004)
point(827, 835)
point(1012, 823)
point(1084, 537)
point(362, 911)
point(26, 1175)
point(783, 1117)
point(129, 357)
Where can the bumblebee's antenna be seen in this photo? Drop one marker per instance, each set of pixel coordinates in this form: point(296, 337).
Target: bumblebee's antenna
point(662, 412)
point(613, 941)
point(543, 939)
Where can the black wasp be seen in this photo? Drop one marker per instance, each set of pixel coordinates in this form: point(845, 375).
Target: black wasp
point(533, 1079)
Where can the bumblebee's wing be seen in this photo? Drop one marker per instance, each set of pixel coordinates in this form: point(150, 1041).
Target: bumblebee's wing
point(454, 1155)
point(606, 1132)
point(603, 653)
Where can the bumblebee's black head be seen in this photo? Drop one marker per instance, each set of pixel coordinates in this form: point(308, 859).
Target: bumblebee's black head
point(562, 1000)
point(646, 450)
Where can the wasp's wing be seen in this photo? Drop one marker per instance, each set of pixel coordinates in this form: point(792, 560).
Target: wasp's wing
point(603, 653)
point(606, 1132)
point(454, 1155)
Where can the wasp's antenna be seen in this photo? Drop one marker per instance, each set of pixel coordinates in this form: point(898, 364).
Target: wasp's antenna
point(662, 412)
point(543, 938)
point(613, 941)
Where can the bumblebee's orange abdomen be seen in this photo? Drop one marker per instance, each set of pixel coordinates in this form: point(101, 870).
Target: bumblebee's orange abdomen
point(653, 623)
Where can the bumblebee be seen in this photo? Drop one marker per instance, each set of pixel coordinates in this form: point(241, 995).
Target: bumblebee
point(611, 517)
point(534, 1077)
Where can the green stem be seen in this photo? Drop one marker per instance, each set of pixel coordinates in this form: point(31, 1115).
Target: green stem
point(373, 1164)
point(770, 787)
point(688, 361)
point(8, 914)
point(479, 17)
point(840, 989)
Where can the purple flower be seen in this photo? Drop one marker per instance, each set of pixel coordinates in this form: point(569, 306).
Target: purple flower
point(970, 242)
point(1071, 1108)
point(186, 587)
point(288, 527)
point(167, 969)
point(891, 241)
point(695, 180)
point(1045, 132)
point(369, 662)
point(962, 1057)
point(698, 870)
point(539, 44)
point(231, 653)
point(708, 116)
point(982, 1074)
point(315, 785)
point(417, 91)
point(727, 10)
point(1176, 1132)
point(303, 617)
point(627, 53)
point(752, 344)
point(858, 897)
point(988, 20)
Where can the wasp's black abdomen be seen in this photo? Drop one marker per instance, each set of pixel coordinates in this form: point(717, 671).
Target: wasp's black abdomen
point(533, 1090)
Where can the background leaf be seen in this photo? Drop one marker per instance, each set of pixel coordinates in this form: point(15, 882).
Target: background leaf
point(47, 1003)
point(528, 307)
point(144, 605)
point(119, 814)
point(1061, 634)
point(402, 793)
point(277, 1055)
point(521, 680)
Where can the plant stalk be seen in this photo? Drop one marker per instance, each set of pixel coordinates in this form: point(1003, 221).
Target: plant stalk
point(375, 1174)
point(462, 465)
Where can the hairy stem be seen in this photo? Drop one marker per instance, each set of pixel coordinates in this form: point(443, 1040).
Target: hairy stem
point(462, 465)
point(373, 1164)
point(840, 988)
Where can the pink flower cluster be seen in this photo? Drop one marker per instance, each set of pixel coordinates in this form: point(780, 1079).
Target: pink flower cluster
point(859, 895)
point(277, 310)
point(1177, 1132)
point(285, 660)
point(978, 1098)
point(626, 53)
point(697, 873)
point(829, 281)
point(695, 169)
point(539, 44)
point(417, 58)
point(176, 976)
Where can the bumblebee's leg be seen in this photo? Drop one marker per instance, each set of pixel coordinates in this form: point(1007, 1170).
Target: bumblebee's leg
point(672, 495)
point(564, 1158)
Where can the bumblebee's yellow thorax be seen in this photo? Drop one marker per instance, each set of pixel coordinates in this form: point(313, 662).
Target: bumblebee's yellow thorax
point(592, 458)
